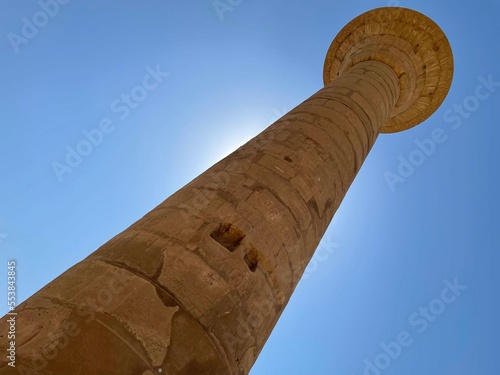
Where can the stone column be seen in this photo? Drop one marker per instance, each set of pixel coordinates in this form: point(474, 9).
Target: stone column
point(196, 286)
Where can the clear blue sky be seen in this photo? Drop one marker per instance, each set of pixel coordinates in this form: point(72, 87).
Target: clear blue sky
point(389, 249)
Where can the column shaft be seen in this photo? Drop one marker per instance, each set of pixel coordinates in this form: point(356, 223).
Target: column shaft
point(197, 285)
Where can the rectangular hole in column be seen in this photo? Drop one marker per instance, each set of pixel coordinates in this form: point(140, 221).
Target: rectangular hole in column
point(228, 236)
point(252, 259)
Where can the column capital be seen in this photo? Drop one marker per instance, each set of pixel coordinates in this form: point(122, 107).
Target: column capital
point(410, 43)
